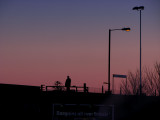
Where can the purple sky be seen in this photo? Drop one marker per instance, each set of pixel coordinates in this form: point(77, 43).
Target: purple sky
point(42, 41)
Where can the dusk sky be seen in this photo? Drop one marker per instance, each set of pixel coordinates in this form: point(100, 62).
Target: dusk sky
point(43, 41)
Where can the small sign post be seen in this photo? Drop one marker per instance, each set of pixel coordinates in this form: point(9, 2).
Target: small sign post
point(118, 76)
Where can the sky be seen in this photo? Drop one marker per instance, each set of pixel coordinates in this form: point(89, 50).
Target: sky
point(43, 41)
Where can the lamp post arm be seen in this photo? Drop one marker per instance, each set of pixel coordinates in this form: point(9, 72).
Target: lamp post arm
point(114, 29)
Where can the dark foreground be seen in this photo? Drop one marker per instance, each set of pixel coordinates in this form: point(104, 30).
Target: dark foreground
point(30, 103)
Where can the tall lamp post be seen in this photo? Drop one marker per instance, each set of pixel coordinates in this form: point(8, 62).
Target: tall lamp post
point(140, 8)
point(109, 51)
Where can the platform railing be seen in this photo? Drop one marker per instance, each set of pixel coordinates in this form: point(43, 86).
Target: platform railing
point(63, 88)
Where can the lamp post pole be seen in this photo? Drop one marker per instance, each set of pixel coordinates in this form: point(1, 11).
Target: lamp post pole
point(140, 58)
point(109, 55)
point(140, 86)
point(109, 58)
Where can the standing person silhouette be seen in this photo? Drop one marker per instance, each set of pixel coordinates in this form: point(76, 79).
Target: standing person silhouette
point(68, 83)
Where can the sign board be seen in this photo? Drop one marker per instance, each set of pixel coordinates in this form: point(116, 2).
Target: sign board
point(82, 111)
point(120, 76)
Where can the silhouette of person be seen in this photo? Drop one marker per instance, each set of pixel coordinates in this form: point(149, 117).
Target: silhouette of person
point(68, 83)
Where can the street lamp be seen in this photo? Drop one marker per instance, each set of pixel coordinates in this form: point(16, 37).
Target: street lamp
point(109, 51)
point(139, 9)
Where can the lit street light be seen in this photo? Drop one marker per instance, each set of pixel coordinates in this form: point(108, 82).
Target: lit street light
point(124, 29)
point(139, 9)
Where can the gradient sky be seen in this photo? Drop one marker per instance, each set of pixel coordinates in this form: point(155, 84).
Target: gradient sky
point(42, 41)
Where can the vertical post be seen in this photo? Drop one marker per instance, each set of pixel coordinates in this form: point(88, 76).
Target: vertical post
point(42, 87)
point(46, 88)
point(109, 61)
point(113, 85)
point(159, 88)
point(76, 88)
point(102, 89)
point(140, 58)
point(85, 88)
point(126, 89)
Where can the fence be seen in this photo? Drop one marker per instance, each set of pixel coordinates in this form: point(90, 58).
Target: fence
point(72, 88)
point(91, 90)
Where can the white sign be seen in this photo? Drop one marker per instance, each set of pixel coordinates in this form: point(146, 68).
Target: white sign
point(83, 111)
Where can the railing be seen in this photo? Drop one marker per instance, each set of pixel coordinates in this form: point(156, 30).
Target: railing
point(63, 88)
point(95, 90)
point(83, 89)
point(72, 89)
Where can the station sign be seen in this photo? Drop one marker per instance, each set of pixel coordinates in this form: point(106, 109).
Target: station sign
point(82, 111)
point(120, 76)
